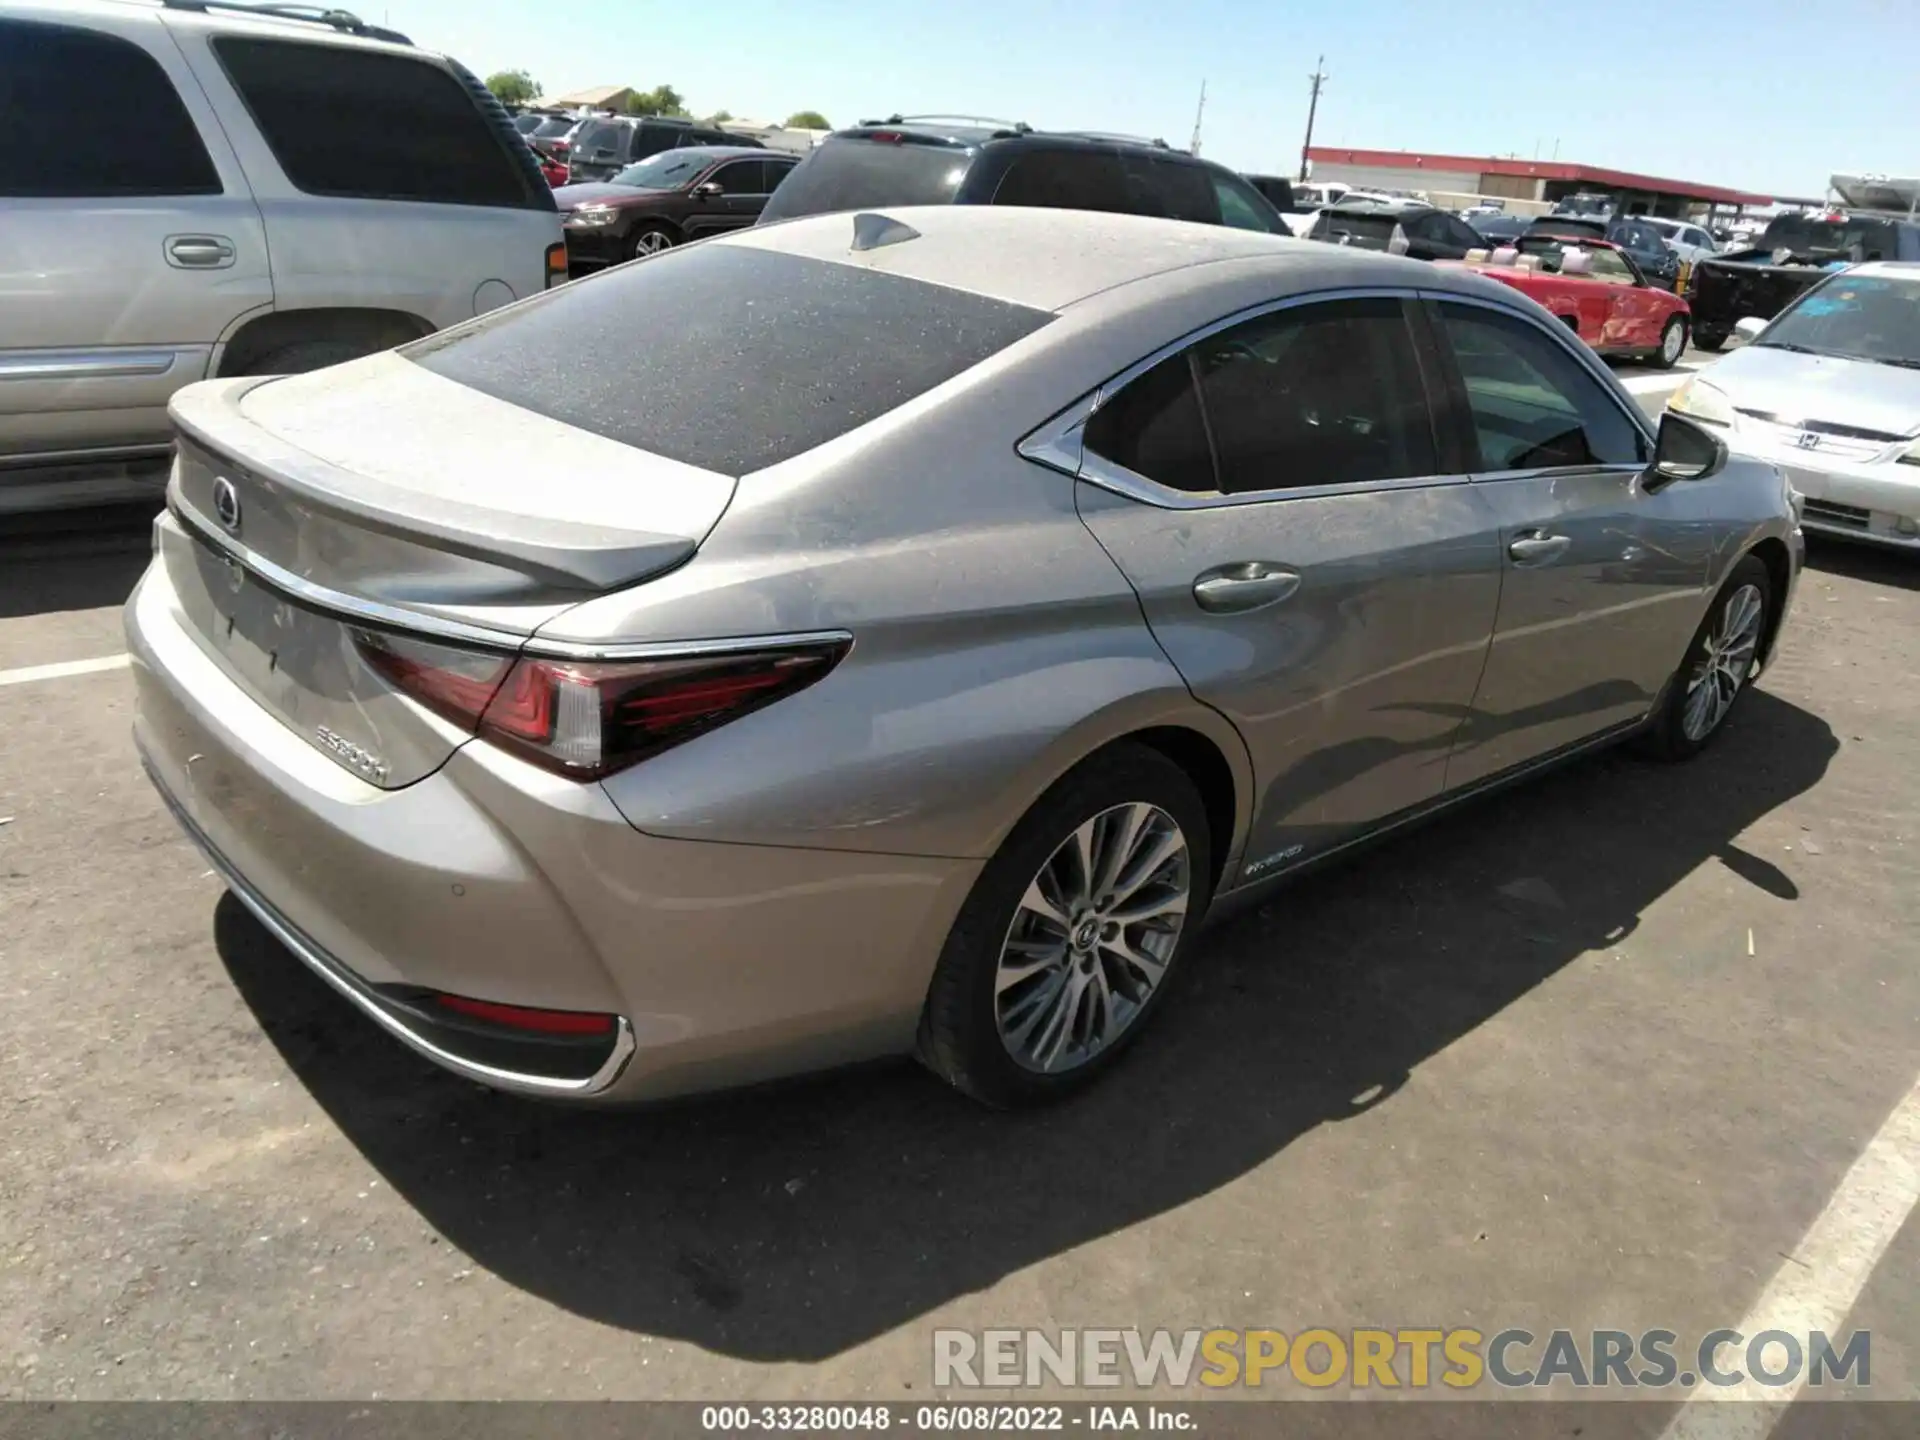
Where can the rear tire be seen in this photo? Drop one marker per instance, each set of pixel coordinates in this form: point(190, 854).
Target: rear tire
point(1673, 343)
point(1073, 932)
point(1714, 340)
point(1719, 662)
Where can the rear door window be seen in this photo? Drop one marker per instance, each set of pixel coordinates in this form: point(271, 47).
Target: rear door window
point(1066, 180)
point(367, 124)
point(742, 177)
point(1171, 189)
point(743, 357)
point(49, 148)
point(1534, 406)
point(1318, 394)
point(1324, 394)
point(851, 173)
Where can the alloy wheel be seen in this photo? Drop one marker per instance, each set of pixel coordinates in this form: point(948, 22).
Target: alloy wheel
point(652, 242)
point(1724, 663)
point(1092, 937)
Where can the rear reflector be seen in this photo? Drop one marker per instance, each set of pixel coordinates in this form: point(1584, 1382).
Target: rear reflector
point(588, 719)
point(556, 264)
point(522, 1017)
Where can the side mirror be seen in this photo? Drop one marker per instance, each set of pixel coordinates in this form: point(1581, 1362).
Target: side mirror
point(707, 190)
point(1749, 328)
point(1684, 450)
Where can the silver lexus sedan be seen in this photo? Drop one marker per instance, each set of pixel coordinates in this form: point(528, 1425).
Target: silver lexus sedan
point(925, 620)
point(1829, 391)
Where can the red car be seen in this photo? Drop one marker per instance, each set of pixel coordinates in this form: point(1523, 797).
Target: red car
point(553, 171)
point(1596, 288)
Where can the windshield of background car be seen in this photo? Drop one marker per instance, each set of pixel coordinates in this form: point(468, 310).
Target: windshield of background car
point(1861, 239)
point(1865, 317)
point(853, 173)
point(600, 135)
point(669, 170)
point(553, 127)
point(745, 357)
point(1569, 225)
point(1369, 232)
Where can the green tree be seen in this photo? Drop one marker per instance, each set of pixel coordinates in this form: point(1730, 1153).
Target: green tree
point(807, 120)
point(719, 117)
point(513, 87)
point(661, 100)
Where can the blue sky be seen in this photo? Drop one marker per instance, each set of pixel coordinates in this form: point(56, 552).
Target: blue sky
point(1772, 95)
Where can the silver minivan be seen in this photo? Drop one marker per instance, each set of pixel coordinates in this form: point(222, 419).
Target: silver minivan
point(263, 195)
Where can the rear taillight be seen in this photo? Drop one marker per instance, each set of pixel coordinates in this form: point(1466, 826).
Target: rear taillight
point(454, 683)
point(556, 264)
point(588, 719)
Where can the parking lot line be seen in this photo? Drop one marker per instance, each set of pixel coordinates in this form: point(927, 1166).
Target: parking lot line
point(1817, 1286)
point(31, 673)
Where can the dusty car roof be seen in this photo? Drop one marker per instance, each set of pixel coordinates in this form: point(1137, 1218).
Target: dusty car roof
point(1049, 259)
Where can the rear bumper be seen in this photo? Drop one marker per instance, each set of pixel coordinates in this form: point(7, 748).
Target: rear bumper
point(489, 878)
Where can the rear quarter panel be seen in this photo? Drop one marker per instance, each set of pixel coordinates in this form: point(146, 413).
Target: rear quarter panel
point(994, 642)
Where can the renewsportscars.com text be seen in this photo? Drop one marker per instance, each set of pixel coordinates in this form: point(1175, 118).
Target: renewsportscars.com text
point(1363, 1358)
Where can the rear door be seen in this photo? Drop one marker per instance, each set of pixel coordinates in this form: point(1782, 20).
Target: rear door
point(128, 242)
point(381, 180)
point(1276, 494)
point(1602, 579)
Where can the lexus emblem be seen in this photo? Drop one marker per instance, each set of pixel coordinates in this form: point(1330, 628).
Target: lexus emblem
point(1807, 440)
point(226, 503)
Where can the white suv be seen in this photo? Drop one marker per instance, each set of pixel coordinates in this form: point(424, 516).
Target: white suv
point(245, 193)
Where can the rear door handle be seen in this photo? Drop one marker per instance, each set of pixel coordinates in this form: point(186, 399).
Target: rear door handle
point(199, 252)
point(1537, 547)
point(1245, 585)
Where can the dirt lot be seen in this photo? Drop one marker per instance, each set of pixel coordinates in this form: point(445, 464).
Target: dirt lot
point(1592, 1053)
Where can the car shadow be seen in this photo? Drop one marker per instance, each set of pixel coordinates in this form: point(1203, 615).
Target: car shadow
point(1860, 561)
point(793, 1222)
point(72, 559)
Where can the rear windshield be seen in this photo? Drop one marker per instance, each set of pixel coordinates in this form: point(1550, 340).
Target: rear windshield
point(854, 174)
point(1369, 232)
point(725, 356)
point(553, 126)
point(1859, 239)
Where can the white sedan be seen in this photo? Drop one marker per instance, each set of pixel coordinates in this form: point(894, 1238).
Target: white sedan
point(1829, 391)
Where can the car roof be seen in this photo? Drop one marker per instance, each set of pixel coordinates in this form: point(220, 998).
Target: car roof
point(1012, 134)
point(1380, 207)
point(1050, 259)
point(718, 152)
point(1887, 269)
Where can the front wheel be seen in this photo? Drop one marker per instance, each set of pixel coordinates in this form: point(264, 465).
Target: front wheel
point(650, 240)
point(1064, 949)
point(1714, 340)
point(1718, 665)
point(1673, 343)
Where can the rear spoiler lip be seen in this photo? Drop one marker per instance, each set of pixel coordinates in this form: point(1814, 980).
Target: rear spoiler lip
point(569, 556)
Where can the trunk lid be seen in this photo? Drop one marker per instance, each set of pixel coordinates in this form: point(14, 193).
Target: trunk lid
point(379, 498)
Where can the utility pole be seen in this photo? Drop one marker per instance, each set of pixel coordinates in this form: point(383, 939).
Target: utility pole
point(1313, 105)
point(1194, 148)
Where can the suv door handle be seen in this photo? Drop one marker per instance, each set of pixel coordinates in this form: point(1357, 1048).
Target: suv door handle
point(199, 252)
point(1537, 547)
point(1243, 586)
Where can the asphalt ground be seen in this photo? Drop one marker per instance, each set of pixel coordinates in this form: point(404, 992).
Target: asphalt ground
point(1612, 1050)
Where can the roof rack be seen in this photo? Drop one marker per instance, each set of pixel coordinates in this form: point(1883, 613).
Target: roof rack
point(985, 122)
point(1153, 140)
point(345, 21)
